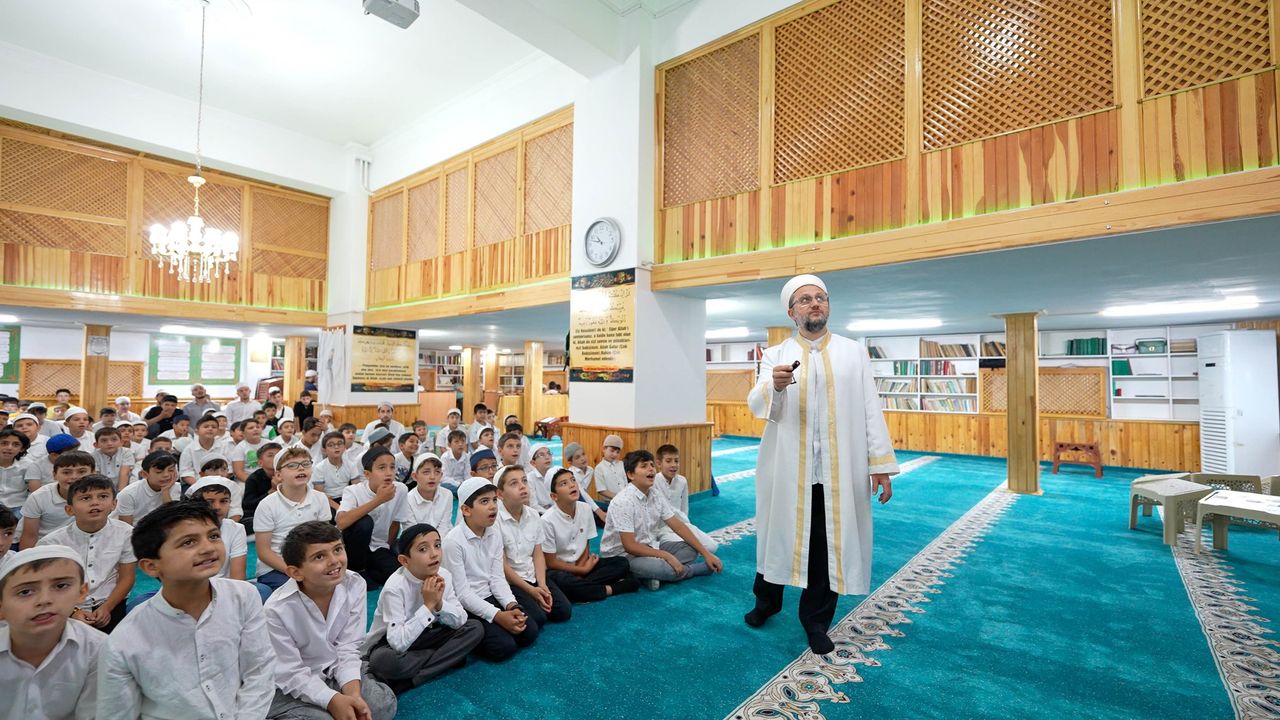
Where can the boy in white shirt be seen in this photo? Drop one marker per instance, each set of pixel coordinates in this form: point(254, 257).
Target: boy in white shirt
point(285, 434)
point(456, 461)
point(194, 455)
point(452, 419)
point(310, 437)
point(512, 425)
point(509, 451)
point(197, 649)
point(180, 433)
point(103, 544)
point(408, 448)
point(40, 459)
point(480, 420)
point(473, 556)
point(354, 449)
point(524, 565)
point(46, 509)
point(636, 518)
point(419, 429)
point(370, 517)
point(333, 473)
point(610, 477)
point(539, 474)
point(675, 488)
point(484, 441)
point(427, 502)
point(39, 649)
point(316, 622)
point(420, 629)
point(110, 458)
point(567, 530)
point(139, 444)
point(76, 422)
point(157, 486)
point(576, 459)
point(294, 502)
point(14, 488)
point(216, 492)
point(8, 528)
point(244, 457)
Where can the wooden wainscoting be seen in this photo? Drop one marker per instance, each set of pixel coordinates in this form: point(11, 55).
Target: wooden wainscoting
point(694, 441)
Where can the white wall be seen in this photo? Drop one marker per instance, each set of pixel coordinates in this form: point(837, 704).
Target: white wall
point(54, 93)
point(696, 24)
point(526, 93)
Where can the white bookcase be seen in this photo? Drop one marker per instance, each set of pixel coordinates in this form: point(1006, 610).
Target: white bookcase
point(448, 367)
point(511, 374)
point(926, 373)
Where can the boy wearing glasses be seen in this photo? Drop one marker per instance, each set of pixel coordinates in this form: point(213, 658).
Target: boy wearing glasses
point(293, 503)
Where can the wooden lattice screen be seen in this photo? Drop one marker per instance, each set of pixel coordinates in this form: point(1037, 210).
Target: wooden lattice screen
point(455, 211)
point(1063, 391)
point(168, 197)
point(1186, 43)
point(839, 88)
point(424, 221)
point(994, 66)
point(548, 180)
point(387, 248)
point(729, 385)
point(37, 179)
point(495, 210)
point(711, 124)
point(40, 378)
point(290, 236)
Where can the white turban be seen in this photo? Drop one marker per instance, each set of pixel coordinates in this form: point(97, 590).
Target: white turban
point(795, 284)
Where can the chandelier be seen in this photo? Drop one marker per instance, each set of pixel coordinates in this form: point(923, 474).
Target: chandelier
point(195, 252)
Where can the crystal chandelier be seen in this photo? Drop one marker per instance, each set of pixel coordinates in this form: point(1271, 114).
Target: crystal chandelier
point(193, 251)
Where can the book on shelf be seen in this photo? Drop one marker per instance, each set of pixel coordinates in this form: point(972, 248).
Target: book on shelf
point(896, 386)
point(904, 367)
point(940, 404)
point(1087, 346)
point(950, 387)
point(876, 352)
point(993, 348)
point(934, 349)
point(937, 367)
point(1121, 367)
point(1186, 345)
point(899, 403)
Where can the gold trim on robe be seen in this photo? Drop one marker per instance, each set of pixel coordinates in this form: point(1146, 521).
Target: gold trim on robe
point(802, 479)
point(834, 445)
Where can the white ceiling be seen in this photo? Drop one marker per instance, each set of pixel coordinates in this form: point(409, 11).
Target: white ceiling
point(318, 67)
point(506, 329)
point(123, 322)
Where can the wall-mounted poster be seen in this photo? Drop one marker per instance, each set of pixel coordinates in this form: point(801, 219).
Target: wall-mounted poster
point(9, 336)
point(189, 359)
point(383, 359)
point(602, 309)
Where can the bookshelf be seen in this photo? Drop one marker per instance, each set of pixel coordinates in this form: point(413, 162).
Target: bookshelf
point(448, 367)
point(511, 374)
point(1143, 385)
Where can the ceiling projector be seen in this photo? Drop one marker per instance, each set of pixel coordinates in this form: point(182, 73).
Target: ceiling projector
point(400, 13)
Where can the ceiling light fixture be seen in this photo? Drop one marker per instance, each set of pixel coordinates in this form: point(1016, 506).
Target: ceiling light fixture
point(6, 318)
point(203, 331)
point(726, 333)
point(431, 333)
point(716, 306)
point(193, 251)
point(1183, 307)
point(903, 324)
point(455, 347)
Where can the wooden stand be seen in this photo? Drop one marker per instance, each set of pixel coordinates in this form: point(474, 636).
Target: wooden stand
point(1092, 455)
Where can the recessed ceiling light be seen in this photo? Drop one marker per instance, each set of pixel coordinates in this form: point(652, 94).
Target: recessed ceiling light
point(505, 351)
point(425, 332)
point(6, 318)
point(716, 306)
point(902, 324)
point(1234, 302)
point(726, 333)
point(455, 347)
point(201, 331)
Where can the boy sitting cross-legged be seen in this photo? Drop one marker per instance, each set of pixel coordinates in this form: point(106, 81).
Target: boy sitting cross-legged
point(567, 529)
point(636, 519)
point(198, 648)
point(103, 543)
point(420, 629)
point(370, 517)
point(456, 461)
point(48, 666)
point(524, 564)
point(46, 509)
point(427, 502)
point(539, 473)
point(157, 486)
point(293, 503)
point(473, 556)
point(316, 622)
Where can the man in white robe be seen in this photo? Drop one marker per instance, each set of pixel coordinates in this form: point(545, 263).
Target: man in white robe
point(824, 452)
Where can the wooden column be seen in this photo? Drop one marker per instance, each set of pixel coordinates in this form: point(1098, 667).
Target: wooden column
point(491, 371)
point(1023, 411)
point(470, 380)
point(778, 335)
point(532, 384)
point(93, 368)
point(1127, 42)
point(913, 126)
point(295, 364)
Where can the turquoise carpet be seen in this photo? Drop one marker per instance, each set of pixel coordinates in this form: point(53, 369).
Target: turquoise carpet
point(1060, 611)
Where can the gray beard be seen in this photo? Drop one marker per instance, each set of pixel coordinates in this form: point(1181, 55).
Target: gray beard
point(816, 325)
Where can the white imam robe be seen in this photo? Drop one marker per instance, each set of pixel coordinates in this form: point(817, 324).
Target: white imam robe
point(831, 414)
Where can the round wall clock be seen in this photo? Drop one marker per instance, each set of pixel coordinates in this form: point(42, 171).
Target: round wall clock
point(602, 241)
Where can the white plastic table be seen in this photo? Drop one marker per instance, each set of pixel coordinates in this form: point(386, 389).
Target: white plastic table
point(1173, 493)
point(1222, 505)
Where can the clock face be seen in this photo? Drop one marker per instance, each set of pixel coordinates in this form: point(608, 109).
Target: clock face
point(603, 239)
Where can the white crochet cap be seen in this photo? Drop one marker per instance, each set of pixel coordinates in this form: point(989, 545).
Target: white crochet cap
point(417, 462)
point(795, 284)
point(13, 561)
point(470, 486)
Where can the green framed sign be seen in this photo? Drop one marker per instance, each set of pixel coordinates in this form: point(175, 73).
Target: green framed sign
point(10, 361)
point(189, 359)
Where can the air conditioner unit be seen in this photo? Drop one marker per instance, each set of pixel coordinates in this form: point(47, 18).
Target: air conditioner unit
point(400, 13)
point(1239, 404)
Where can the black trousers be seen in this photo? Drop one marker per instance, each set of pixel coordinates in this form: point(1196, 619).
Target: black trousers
point(117, 614)
point(561, 608)
point(591, 587)
point(498, 644)
point(375, 566)
point(817, 600)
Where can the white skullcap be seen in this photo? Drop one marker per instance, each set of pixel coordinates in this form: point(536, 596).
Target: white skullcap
point(795, 284)
point(244, 385)
point(386, 404)
point(309, 373)
point(537, 448)
point(417, 462)
point(470, 486)
point(123, 399)
point(453, 411)
point(13, 561)
point(73, 411)
point(209, 481)
point(23, 416)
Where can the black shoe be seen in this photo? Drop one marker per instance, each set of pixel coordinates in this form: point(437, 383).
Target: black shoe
point(757, 616)
point(627, 584)
point(820, 643)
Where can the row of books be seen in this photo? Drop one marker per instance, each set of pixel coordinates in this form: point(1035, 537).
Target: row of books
point(896, 386)
point(932, 349)
point(899, 403)
point(937, 367)
point(993, 348)
point(955, 387)
point(950, 404)
point(1087, 346)
point(1185, 345)
point(876, 352)
point(900, 367)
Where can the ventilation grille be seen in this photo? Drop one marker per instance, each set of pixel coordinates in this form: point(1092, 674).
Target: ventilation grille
point(1215, 442)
